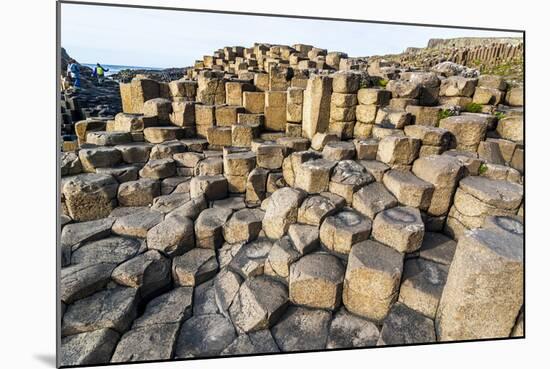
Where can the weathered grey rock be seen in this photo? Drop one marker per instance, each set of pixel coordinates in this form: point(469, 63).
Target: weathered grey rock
point(400, 227)
point(158, 169)
point(138, 193)
point(137, 152)
point(89, 196)
point(484, 290)
point(259, 303)
point(191, 209)
point(466, 130)
point(167, 203)
point(282, 211)
point(194, 267)
point(313, 176)
point(437, 248)
point(315, 209)
point(339, 150)
point(422, 285)
point(81, 280)
point(171, 307)
point(316, 281)
point(172, 236)
point(209, 227)
point(250, 259)
point(500, 194)
point(372, 278)
point(243, 226)
point(270, 156)
point(204, 299)
point(511, 128)
point(70, 163)
point(137, 224)
point(212, 187)
point(226, 286)
point(256, 186)
point(148, 272)
point(375, 168)
point(97, 157)
point(398, 150)
point(320, 139)
point(151, 342)
point(302, 329)
point(505, 224)
point(405, 326)
point(457, 86)
point(339, 232)
point(400, 88)
point(204, 336)
point(75, 233)
point(280, 258)
point(253, 343)
point(305, 238)
point(347, 177)
point(88, 348)
point(113, 308)
point(347, 330)
point(409, 189)
point(113, 250)
point(443, 172)
point(122, 173)
point(372, 199)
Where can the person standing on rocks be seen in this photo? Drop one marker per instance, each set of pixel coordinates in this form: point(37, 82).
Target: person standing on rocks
point(99, 73)
point(73, 70)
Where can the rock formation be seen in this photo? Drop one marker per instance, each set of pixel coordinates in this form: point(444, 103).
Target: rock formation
point(280, 198)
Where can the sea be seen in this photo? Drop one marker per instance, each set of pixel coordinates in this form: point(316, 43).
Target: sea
point(117, 68)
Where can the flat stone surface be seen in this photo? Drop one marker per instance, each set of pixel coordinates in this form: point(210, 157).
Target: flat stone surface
point(88, 348)
point(151, 342)
point(86, 231)
point(81, 280)
point(347, 330)
point(501, 194)
point(171, 307)
point(137, 224)
point(302, 329)
point(108, 250)
point(437, 248)
point(253, 343)
point(113, 308)
point(204, 336)
point(405, 326)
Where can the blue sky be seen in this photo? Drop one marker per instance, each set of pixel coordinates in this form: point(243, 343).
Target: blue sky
point(163, 38)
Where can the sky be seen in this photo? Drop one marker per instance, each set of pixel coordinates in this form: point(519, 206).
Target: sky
point(167, 38)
